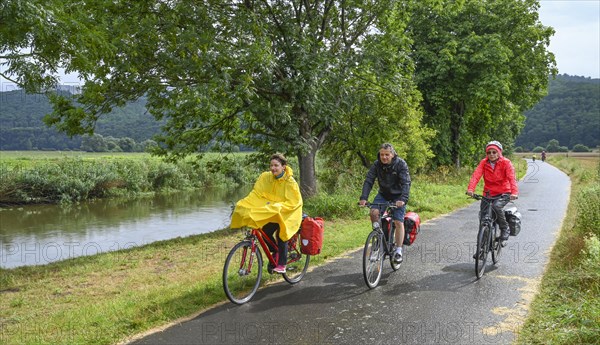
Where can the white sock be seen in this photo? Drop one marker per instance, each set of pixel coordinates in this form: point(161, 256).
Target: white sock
point(399, 250)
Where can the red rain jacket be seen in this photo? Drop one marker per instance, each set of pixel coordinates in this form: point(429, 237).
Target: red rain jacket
point(497, 180)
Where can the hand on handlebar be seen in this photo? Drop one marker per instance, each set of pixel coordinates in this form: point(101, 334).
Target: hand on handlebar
point(514, 197)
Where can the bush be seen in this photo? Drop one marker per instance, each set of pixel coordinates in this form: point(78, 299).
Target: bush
point(589, 210)
point(519, 149)
point(538, 149)
point(581, 148)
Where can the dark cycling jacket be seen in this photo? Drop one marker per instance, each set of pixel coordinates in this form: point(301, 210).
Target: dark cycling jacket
point(393, 178)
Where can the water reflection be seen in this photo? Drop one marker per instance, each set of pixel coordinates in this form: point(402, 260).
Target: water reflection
point(40, 234)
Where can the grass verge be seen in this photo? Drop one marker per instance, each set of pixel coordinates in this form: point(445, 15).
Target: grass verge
point(567, 307)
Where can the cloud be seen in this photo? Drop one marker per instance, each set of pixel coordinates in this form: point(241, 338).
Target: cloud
point(576, 43)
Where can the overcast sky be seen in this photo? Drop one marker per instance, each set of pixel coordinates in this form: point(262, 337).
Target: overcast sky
point(576, 42)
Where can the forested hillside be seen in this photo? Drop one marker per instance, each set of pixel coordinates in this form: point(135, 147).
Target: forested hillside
point(22, 128)
point(570, 114)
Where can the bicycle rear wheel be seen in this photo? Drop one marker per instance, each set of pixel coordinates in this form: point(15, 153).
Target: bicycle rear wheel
point(242, 273)
point(373, 259)
point(297, 263)
point(496, 247)
point(483, 246)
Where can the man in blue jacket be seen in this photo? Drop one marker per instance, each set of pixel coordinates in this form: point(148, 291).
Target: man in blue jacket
point(393, 178)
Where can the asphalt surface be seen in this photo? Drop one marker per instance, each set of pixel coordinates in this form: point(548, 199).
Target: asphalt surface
point(433, 299)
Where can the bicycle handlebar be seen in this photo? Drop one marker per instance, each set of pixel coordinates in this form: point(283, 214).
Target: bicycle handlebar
point(479, 197)
point(391, 205)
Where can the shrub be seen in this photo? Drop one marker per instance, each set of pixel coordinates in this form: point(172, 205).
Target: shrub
point(581, 148)
point(589, 209)
point(538, 149)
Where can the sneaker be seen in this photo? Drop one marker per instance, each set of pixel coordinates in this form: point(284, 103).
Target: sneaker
point(503, 242)
point(398, 255)
point(279, 269)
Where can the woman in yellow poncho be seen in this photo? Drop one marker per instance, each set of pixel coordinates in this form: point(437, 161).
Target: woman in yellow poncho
point(275, 203)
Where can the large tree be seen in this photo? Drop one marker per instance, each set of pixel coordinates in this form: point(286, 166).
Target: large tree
point(479, 65)
point(276, 75)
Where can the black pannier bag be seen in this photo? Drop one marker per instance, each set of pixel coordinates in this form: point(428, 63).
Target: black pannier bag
point(513, 217)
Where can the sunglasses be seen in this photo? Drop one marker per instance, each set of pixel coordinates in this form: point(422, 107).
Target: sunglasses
point(492, 152)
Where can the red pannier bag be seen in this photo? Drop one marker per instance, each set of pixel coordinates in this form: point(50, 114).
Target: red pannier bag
point(311, 233)
point(412, 226)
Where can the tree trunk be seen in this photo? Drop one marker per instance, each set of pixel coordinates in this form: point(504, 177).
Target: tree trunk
point(308, 176)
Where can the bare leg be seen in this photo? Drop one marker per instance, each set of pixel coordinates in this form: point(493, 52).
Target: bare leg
point(399, 232)
point(374, 215)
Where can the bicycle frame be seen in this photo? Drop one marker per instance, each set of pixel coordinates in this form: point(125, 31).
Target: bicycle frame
point(485, 244)
point(243, 267)
point(377, 247)
point(265, 242)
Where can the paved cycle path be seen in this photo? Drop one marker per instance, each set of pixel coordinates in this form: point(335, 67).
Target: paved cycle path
point(433, 299)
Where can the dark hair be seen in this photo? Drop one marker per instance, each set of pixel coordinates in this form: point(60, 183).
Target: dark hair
point(388, 146)
point(280, 158)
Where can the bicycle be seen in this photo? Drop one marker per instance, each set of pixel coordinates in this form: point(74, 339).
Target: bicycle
point(244, 264)
point(379, 244)
point(488, 237)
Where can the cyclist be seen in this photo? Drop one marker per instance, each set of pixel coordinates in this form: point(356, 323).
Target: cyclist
point(393, 177)
point(275, 205)
point(499, 180)
point(543, 156)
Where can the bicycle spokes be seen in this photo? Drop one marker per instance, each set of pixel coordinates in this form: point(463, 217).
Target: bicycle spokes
point(372, 259)
point(242, 272)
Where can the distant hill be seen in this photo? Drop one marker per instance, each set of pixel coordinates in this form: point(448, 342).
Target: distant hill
point(570, 114)
point(22, 128)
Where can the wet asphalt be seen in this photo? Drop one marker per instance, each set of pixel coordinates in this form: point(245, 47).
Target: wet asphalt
point(434, 298)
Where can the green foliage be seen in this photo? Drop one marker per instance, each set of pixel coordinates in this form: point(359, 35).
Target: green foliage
point(538, 149)
point(479, 65)
point(22, 126)
point(570, 114)
point(581, 148)
point(75, 179)
point(589, 209)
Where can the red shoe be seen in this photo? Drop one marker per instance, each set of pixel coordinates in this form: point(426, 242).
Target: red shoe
point(279, 269)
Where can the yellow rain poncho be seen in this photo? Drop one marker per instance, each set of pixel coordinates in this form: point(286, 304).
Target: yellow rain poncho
point(271, 201)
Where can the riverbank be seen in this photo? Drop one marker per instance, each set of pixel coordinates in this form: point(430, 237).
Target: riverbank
point(567, 308)
point(34, 177)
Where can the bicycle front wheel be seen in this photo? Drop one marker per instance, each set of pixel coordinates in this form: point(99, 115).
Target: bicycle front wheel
point(373, 259)
point(496, 247)
point(242, 273)
point(483, 247)
point(297, 263)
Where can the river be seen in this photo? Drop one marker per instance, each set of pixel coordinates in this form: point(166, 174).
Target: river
point(41, 234)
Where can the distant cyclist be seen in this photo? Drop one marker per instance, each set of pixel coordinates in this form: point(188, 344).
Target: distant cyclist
point(391, 172)
point(543, 156)
point(499, 180)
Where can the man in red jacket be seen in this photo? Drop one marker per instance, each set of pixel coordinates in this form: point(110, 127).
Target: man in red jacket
point(499, 180)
